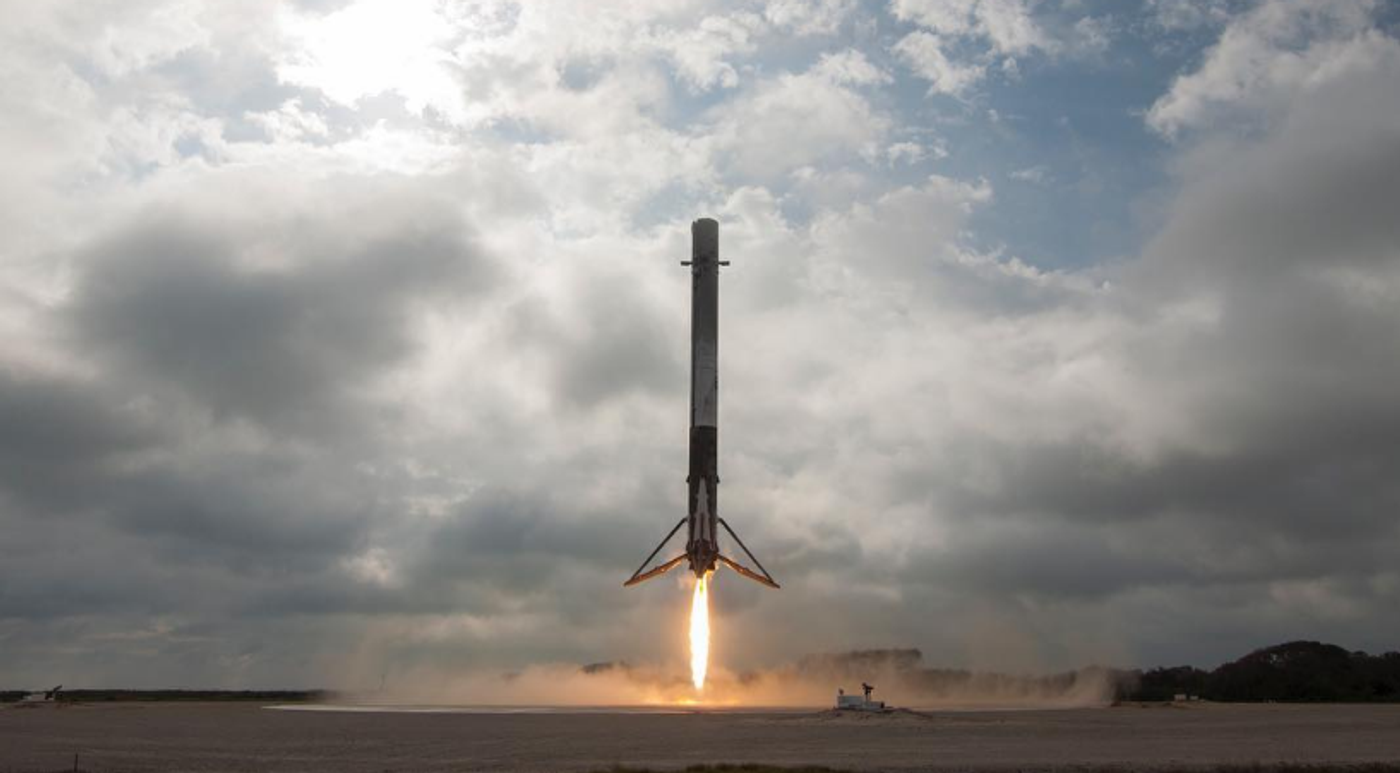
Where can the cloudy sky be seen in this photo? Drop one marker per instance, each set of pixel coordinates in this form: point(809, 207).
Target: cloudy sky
point(345, 338)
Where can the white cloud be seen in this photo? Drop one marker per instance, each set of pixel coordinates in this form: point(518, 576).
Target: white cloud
point(924, 53)
point(1007, 26)
point(374, 566)
point(701, 53)
point(1089, 36)
point(1038, 174)
point(809, 17)
point(148, 34)
point(1267, 55)
point(372, 47)
point(1177, 15)
point(906, 232)
point(957, 43)
point(800, 119)
point(911, 153)
point(850, 67)
point(983, 33)
point(152, 135)
point(291, 123)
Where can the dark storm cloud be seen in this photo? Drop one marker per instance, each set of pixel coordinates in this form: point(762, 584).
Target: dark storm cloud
point(180, 536)
point(1293, 488)
point(495, 552)
point(603, 342)
point(623, 351)
point(173, 300)
point(268, 508)
point(209, 468)
point(55, 431)
point(1044, 558)
point(1064, 524)
point(507, 526)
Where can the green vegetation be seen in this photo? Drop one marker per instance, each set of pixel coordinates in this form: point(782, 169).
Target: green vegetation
point(726, 767)
point(1255, 768)
point(1300, 672)
point(97, 696)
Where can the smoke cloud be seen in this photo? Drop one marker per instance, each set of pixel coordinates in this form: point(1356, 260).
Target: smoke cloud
point(899, 676)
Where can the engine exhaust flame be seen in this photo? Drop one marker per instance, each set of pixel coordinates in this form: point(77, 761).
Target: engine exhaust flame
point(700, 632)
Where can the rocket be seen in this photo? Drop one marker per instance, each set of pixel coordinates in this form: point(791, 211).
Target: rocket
point(702, 521)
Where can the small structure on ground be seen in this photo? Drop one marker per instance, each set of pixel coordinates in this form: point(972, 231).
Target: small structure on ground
point(858, 703)
point(40, 697)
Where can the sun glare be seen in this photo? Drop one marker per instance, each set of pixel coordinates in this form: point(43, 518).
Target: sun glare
point(372, 47)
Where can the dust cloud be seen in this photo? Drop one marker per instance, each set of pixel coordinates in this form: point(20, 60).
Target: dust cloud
point(899, 677)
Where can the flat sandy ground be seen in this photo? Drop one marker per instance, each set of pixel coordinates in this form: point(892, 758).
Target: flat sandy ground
point(224, 737)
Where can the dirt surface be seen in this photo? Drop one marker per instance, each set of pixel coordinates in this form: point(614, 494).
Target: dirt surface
point(222, 737)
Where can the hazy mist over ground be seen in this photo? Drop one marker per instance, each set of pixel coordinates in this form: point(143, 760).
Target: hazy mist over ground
point(345, 339)
point(898, 676)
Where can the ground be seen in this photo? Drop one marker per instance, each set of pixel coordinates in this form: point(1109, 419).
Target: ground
point(223, 737)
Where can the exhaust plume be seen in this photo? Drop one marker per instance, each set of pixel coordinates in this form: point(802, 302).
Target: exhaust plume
point(700, 632)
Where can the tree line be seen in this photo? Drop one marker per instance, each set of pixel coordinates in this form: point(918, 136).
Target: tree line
point(1299, 671)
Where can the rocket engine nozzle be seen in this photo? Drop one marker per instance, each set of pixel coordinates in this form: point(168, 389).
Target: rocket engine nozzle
point(703, 559)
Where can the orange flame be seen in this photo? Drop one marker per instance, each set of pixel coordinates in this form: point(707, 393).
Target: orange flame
point(699, 633)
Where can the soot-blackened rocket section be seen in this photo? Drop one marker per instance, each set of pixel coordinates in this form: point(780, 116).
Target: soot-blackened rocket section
point(702, 546)
point(702, 515)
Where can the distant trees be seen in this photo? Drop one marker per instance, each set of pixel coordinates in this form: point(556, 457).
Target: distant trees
point(93, 696)
point(1162, 684)
point(1299, 671)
